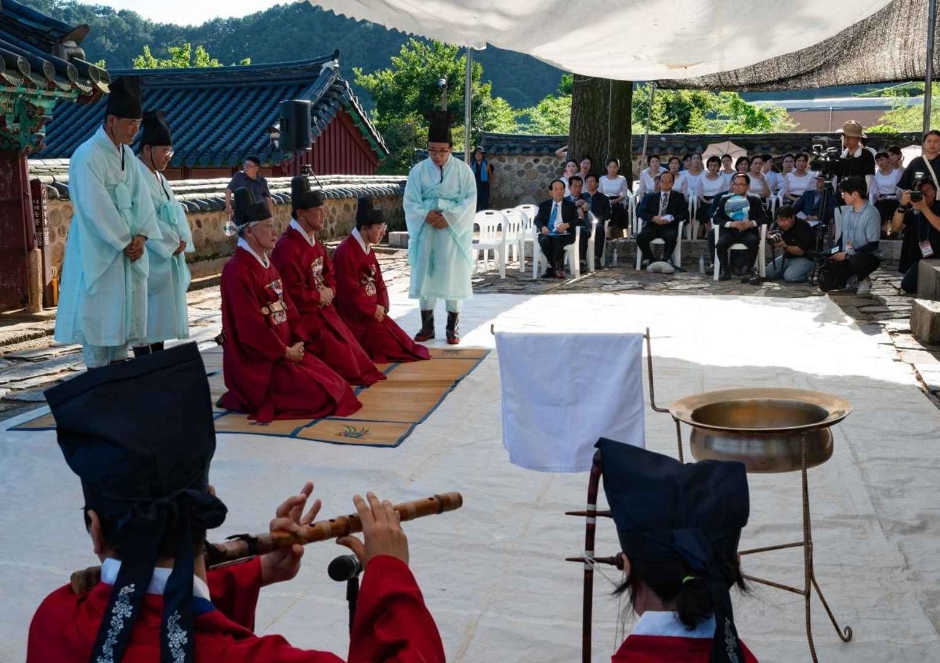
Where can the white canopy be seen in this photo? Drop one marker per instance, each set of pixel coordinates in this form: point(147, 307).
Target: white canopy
point(623, 40)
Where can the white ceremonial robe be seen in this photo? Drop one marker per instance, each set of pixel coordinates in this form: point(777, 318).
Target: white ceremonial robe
point(167, 315)
point(103, 301)
point(441, 260)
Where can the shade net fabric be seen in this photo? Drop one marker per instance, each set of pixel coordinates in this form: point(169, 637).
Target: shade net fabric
point(632, 40)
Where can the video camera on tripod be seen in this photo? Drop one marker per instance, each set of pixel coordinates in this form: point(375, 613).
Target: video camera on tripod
point(825, 160)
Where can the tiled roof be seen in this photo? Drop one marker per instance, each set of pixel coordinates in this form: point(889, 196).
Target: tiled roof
point(774, 143)
point(221, 115)
point(209, 195)
point(41, 54)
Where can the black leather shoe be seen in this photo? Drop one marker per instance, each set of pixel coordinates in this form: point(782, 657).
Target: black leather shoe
point(427, 327)
point(453, 333)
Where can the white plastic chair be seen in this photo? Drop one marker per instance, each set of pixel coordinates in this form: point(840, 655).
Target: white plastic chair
point(526, 236)
point(589, 257)
point(676, 254)
point(761, 249)
point(492, 237)
point(515, 231)
point(571, 254)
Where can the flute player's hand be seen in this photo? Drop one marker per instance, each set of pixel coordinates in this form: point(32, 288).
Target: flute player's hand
point(284, 564)
point(381, 530)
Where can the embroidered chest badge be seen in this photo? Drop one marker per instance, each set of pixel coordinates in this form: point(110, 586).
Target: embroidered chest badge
point(316, 268)
point(367, 281)
point(276, 310)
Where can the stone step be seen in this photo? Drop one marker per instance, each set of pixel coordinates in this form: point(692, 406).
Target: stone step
point(925, 321)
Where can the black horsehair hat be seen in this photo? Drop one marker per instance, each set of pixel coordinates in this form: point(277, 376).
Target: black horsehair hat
point(248, 210)
point(666, 510)
point(124, 98)
point(155, 130)
point(367, 214)
point(140, 436)
point(439, 129)
point(302, 196)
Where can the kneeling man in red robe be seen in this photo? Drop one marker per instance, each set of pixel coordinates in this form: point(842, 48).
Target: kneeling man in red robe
point(140, 437)
point(310, 282)
point(266, 370)
point(362, 298)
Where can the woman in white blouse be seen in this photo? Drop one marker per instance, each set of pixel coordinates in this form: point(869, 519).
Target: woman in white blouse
point(614, 186)
point(710, 186)
point(884, 189)
point(648, 177)
point(795, 183)
point(759, 186)
point(679, 181)
point(694, 173)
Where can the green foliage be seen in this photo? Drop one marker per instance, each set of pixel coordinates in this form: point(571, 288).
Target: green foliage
point(550, 117)
point(700, 111)
point(909, 118)
point(181, 57)
point(407, 89)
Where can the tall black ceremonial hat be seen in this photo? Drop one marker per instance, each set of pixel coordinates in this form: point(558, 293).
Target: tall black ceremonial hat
point(367, 214)
point(302, 196)
point(248, 210)
point(124, 98)
point(666, 510)
point(155, 130)
point(140, 436)
point(439, 129)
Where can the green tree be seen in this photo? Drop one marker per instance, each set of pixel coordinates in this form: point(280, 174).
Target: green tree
point(700, 111)
point(902, 118)
point(406, 90)
point(181, 57)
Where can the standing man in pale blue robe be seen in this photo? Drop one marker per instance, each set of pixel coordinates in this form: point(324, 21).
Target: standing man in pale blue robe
point(167, 315)
point(440, 201)
point(103, 303)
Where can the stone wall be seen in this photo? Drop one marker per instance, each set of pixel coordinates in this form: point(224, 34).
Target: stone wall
point(521, 179)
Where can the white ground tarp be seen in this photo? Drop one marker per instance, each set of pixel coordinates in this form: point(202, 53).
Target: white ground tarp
point(636, 40)
point(493, 573)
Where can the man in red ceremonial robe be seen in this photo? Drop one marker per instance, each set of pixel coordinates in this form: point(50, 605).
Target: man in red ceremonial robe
point(310, 282)
point(266, 370)
point(362, 298)
point(148, 505)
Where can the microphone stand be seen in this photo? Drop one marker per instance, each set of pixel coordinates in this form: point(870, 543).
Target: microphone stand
point(352, 595)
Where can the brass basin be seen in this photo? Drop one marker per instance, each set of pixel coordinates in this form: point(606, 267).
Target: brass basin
point(762, 428)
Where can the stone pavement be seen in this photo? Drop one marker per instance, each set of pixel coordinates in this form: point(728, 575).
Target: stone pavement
point(31, 362)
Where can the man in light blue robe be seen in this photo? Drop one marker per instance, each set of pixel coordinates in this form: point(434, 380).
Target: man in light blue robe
point(103, 303)
point(167, 315)
point(440, 201)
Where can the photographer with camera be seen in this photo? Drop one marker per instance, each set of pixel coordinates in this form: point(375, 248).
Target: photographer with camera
point(855, 160)
point(856, 252)
point(919, 216)
point(794, 238)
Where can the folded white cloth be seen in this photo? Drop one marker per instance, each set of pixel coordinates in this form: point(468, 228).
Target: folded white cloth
point(561, 392)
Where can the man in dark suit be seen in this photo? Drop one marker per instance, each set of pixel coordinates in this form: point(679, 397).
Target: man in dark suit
point(736, 226)
point(810, 205)
point(661, 214)
point(556, 221)
point(600, 208)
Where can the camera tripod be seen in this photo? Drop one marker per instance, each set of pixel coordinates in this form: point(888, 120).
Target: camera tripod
point(824, 242)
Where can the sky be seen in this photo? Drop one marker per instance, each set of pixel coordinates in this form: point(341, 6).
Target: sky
point(188, 12)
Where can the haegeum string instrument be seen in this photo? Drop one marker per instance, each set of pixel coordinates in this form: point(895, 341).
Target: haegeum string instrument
point(243, 546)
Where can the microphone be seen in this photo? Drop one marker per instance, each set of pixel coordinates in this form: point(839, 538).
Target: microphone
point(344, 567)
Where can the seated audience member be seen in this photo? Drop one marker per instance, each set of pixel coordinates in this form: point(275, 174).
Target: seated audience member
point(599, 208)
point(648, 176)
point(794, 239)
point(556, 221)
point(760, 186)
point(739, 217)
point(727, 170)
point(679, 527)
point(742, 165)
point(884, 188)
point(661, 214)
point(786, 166)
point(861, 231)
point(583, 203)
point(615, 187)
point(921, 222)
point(266, 370)
point(586, 166)
point(571, 169)
point(798, 181)
point(693, 174)
point(140, 437)
point(896, 158)
point(809, 205)
point(680, 182)
point(773, 177)
point(361, 295)
point(710, 186)
point(686, 161)
point(309, 279)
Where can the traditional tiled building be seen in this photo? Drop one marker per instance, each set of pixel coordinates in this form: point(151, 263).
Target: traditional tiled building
point(42, 71)
point(221, 115)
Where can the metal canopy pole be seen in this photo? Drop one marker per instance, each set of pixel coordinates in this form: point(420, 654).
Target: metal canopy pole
point(467, 101)
point(928, 83)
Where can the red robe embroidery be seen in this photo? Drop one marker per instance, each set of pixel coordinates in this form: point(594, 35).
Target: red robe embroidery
point(668, 649)
point(260, 379)
point(304, 269)
point(361, 288)
point(392, 622)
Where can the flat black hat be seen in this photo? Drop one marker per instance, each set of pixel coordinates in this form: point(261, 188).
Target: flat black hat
point(666, 510)
point(140, 435)
point(302, 196)
point(155, 130)
point(248, 210)
point(440, 124)
point(124, 98)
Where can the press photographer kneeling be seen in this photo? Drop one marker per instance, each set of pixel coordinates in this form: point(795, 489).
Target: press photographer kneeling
point(793, 238)
point(919, 215)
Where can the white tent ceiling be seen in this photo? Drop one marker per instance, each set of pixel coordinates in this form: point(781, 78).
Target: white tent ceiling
point(623, 39)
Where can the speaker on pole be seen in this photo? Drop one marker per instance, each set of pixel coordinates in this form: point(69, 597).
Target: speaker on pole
point(296, 134)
